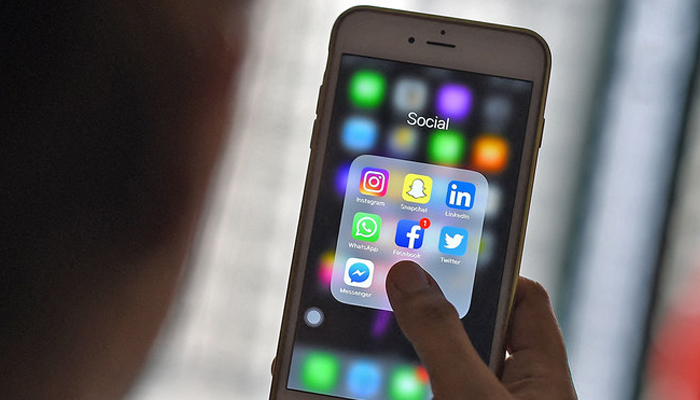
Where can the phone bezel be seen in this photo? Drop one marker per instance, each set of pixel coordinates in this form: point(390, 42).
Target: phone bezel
point(503, 51)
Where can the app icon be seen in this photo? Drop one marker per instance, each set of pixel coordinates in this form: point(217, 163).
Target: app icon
point(454, 101)
point(460, 195)
point(407, 383)
point(410, 94)
point(490, 154)
point(403, 141)
point(486, 248)
point(359, 272)
point(364, 379)
point(497, 112)
point(341, 179)
point(493, 203)
point(446, 147)
point(409, 234)
point(359, 134)
point(325, 268)
point(366, 227)
point(416, 188)
point(320, 372)
point(374, 181)
point(453, 241)
point(367, 89)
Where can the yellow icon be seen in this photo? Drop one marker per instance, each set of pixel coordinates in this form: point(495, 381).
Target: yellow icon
point(416, 188)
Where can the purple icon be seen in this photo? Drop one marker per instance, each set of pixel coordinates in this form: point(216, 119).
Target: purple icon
point(381, 323)
point(454, 101)
point(341, 179)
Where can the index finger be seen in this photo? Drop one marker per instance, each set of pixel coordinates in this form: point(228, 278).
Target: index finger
point(432, 325)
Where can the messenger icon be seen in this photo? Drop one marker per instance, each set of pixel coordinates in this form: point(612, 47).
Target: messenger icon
point(358, 272)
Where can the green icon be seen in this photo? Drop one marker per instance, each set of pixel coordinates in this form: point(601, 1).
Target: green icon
point(367, 89)
point(446, 147)
point(319, 372)
point(405, 384)
point(366, 227)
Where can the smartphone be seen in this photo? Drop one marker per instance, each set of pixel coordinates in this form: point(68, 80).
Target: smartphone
point(424, 148)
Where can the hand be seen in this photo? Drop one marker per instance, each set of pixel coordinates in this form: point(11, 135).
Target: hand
point(536, 369)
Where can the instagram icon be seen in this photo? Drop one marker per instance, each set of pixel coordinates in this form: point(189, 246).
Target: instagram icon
point(374, 181)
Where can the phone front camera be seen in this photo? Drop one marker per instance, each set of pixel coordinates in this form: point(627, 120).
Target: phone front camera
point(442, 32)
point(411, 39)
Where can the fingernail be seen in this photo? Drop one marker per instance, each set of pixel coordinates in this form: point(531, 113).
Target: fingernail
point(408, 277)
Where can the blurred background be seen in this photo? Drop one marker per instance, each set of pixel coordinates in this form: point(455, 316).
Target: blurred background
point(614, 231)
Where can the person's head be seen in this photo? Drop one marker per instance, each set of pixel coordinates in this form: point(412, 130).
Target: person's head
point(113, 113)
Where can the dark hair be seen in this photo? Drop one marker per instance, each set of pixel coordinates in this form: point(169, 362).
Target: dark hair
point(87, 161)
point(83, 114)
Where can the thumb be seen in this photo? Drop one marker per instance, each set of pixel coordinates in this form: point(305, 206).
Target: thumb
point(432, 325)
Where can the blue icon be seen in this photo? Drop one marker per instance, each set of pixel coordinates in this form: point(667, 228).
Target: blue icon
point(409, 234)
point(460, 195)
point(358, 272)
point(453, 241)
point(364, 379)
point(359, 134)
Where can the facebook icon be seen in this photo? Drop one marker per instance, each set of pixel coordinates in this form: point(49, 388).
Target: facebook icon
point(409, 234)
point(460, 195)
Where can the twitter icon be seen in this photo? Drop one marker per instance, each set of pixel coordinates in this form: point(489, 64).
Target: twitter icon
point(453, 241)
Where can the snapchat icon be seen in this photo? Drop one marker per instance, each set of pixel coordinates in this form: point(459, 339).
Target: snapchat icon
point(416, 188)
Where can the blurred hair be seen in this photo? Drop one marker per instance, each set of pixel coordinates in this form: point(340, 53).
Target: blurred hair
point(96, 104)
point(84, 111)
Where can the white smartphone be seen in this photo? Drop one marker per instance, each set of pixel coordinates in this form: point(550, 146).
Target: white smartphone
point(424, 148)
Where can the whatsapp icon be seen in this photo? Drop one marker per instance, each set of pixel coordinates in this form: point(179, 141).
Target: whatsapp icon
point(366, 227)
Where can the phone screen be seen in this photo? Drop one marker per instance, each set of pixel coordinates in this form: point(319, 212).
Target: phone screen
point(421, 163)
